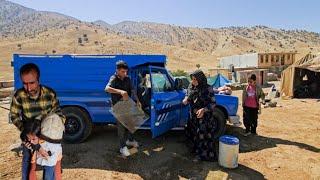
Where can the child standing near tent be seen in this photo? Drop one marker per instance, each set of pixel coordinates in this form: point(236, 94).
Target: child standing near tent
point(251, 95)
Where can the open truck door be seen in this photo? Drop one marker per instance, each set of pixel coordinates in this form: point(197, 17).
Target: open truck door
point(165, 102)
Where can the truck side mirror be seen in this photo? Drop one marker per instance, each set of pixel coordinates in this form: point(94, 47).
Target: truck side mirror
point(178, 84)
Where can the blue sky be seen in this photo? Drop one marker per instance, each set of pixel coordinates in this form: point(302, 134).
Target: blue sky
point(286, 14)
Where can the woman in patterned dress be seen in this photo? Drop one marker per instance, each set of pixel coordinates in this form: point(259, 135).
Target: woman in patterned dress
point(201, 127)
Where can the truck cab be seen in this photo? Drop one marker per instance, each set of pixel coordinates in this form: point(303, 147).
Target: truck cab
point(80, 80)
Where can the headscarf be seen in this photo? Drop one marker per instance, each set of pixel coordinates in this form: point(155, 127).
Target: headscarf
point(195, 91)
point(201, 78)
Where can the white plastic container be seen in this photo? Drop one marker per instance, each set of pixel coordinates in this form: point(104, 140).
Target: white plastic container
point(228, 151)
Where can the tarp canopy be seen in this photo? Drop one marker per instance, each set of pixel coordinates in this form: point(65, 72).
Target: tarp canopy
point(211, 80)
point(218, 80)
point(302, 78)
point(312, 65)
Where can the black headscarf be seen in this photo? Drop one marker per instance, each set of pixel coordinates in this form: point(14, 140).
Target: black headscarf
point(201, 78)
point(202, 88)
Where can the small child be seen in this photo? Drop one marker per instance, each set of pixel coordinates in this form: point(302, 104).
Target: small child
point(46, 154)
point(251, 95)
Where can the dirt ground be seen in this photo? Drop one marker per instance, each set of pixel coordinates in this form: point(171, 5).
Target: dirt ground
point(287, 147)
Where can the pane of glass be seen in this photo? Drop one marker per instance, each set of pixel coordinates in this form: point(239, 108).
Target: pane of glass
point(129, 115)
point(160, 81)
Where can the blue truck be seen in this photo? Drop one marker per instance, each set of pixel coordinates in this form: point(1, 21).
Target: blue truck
point(80, 80)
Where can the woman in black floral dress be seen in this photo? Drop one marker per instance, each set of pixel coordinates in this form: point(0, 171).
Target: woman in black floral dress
point(201, 127)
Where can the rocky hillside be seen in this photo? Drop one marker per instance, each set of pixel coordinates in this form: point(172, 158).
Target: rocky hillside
point(17, 20)
point(88, 39)
point(239, 39)
point(24, 30)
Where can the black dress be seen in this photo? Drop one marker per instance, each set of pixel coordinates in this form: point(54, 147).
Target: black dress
point(200, 131)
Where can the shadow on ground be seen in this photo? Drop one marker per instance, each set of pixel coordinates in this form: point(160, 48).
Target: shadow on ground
point(258, 142)
point(165, 157)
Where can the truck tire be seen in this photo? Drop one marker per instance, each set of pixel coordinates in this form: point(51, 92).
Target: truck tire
point(220, 122)
point(78, 125)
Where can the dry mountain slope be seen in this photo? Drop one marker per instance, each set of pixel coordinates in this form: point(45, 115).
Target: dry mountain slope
point(58, 34)
point(223, 41)
point(17, 20)
point(85, 39)
point(24, 30)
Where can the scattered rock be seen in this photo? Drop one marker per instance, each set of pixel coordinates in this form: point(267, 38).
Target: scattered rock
point(146, 152)
point(158, 149)
point(217, 175)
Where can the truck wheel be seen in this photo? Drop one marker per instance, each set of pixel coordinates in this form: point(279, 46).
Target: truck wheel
point(220, 122)
point(78, 125)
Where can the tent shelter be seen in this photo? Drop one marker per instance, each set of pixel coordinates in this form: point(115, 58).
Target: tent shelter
point(218, 80)
point(302, 79)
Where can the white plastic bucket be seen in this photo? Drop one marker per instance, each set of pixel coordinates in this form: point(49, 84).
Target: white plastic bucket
point(228, 151)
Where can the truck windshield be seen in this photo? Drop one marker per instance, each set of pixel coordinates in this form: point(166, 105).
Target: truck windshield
point(160, 81)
